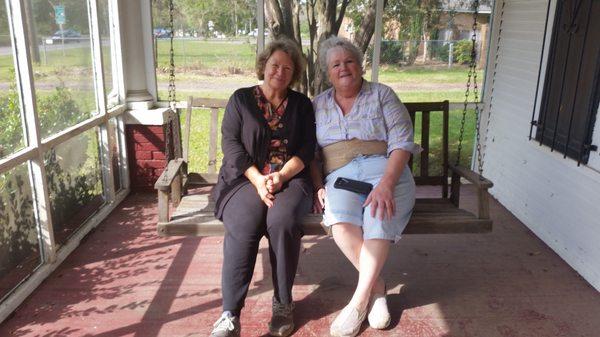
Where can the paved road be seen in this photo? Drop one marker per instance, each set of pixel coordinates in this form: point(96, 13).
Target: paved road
point(51, 47)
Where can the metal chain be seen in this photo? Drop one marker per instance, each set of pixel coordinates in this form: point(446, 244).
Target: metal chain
point(172, 98)
point(472, 79)
point(169, 144)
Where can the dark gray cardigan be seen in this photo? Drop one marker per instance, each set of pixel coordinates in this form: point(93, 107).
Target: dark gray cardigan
point(246, 138)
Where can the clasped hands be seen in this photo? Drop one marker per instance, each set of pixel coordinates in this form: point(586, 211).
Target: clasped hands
point(268, 185)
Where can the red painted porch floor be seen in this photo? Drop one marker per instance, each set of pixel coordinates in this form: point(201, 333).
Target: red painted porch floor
point(125, 281)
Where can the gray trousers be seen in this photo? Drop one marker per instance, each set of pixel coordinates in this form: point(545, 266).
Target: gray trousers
point(246, 220)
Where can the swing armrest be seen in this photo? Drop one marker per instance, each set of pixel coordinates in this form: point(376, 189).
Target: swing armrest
point(482, 184)
point(169, 186)
point(473, 177)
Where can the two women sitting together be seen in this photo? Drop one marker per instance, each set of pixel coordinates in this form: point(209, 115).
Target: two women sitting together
point(269, 174)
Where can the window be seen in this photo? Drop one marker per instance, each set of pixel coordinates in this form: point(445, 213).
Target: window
point(54, 181)
point(62, 65)
point(108, 55)
point(11, 137)
point(19, 243)
point(570, 98)
point(214, 48)
point(74, 183)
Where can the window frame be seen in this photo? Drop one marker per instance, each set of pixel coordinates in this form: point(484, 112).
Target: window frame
point(35, 147)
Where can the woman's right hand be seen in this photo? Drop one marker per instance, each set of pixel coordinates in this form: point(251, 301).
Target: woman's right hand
point(263, 191)
point(260, 183)
point(319, 200)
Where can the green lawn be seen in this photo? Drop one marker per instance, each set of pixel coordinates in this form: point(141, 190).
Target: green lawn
point(207, 57)
point(441, 75)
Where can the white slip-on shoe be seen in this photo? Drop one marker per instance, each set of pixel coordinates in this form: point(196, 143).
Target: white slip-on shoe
point(379, 315)
point(348, 322)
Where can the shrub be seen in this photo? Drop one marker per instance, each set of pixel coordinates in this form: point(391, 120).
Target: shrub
point(57, 111)
point(392, 52)
point(11, 137)
point(440, 51)
point(462, 51)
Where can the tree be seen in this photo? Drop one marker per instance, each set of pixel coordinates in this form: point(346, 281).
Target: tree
point(324, 19)
point(194, 15)
point(417, 22)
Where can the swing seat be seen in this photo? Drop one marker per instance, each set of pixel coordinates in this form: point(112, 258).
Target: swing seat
point(193, 214)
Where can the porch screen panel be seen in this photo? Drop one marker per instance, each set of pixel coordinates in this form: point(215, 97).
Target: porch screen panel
point(426, 48)
point(570, 98)
point(60, 51)
point(11, 137)
point(214, 45)
point(19, 243)
point(104, 23)
point(424, 57)
point(74, 183)
point(215, 54)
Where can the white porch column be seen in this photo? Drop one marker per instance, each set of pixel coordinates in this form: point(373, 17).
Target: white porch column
point(139, 76)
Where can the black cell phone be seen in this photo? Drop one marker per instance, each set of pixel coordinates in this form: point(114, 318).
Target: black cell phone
point(352, 185)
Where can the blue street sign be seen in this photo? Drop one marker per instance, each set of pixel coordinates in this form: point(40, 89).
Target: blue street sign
point(59, 14)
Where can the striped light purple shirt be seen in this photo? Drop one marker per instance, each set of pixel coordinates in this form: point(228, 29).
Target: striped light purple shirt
point(377, 114)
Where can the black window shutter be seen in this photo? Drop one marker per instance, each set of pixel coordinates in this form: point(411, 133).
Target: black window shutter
point(571, 90)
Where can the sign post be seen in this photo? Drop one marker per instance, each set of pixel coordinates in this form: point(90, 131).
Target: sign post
point(60, 18)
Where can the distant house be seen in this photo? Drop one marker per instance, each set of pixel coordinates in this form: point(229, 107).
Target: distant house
point(455, 23)
point(456, 20)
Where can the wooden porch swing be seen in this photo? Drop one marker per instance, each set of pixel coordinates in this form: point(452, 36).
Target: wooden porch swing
point(193, 215)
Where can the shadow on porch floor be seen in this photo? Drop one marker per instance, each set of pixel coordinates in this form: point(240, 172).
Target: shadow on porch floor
point(125, 281)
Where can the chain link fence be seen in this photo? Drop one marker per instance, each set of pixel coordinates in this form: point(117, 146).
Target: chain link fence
point(431, 52)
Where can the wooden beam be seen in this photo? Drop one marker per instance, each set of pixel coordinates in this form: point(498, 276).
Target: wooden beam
point(187, 129)
point(209, 103)
point(212, 146)
point(194, 216)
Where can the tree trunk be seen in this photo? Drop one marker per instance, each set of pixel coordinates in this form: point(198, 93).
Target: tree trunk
point(311, 60)
point(426, 46)
point(363, 36)
point(303, 85)
point(323, 22)
point(279, 18)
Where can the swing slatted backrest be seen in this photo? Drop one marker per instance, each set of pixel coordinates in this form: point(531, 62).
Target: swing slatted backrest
point(194, 212)
point(423, 176)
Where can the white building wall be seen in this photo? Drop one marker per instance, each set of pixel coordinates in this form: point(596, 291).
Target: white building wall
point(558, 200)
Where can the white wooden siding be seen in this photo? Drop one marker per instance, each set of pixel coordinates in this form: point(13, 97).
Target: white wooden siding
point(558, 200)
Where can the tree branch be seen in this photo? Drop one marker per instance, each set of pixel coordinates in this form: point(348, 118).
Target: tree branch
point(342, 13)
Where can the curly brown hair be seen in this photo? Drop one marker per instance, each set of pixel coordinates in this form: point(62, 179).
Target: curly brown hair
point(287, 46)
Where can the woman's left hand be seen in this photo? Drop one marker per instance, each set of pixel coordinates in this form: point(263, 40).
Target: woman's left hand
point(382, 201)
point(274, 182)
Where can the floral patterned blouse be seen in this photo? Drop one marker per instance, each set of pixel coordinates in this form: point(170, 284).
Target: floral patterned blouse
point(278, 155)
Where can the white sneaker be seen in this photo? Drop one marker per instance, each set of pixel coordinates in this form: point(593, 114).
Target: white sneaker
point(226, 326)
point(379, 315)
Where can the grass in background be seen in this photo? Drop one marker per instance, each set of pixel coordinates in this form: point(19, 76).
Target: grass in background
point(441, 75)
point(232, 57)
point(200, 133)
point(435, 140)
point(200, 139)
